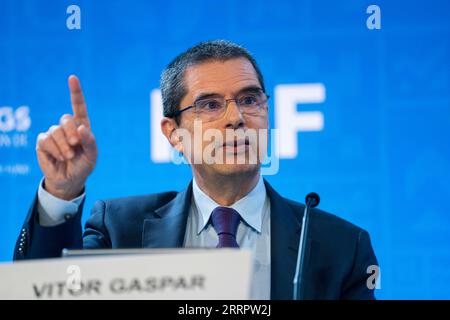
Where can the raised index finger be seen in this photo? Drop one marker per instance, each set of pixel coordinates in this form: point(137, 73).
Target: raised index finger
point(78, 104)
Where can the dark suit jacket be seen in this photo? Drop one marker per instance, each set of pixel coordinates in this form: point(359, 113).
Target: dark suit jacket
point(337, 252)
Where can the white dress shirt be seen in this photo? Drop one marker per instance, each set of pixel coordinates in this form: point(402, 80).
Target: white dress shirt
point(253, 230)
point(52, 210)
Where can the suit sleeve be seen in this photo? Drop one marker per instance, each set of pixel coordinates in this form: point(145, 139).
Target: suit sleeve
point(359, 285)
point(96, 234)
point(39, 242)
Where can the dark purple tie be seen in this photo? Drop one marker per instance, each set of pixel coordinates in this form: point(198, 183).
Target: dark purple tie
point(225, 221)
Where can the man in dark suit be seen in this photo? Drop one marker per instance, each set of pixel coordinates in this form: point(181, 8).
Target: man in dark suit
point(213, 88)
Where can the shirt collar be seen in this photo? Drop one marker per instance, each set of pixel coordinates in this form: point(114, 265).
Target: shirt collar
point(249, 207)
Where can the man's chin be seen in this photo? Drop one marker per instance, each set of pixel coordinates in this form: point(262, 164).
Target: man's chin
point(235, 169)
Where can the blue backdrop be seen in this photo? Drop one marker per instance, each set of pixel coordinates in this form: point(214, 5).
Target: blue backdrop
point(381, 159)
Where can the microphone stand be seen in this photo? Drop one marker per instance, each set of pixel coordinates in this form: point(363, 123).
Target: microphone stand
point(312, 200)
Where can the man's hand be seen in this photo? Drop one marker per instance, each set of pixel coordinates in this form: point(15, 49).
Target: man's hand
point(67, 152)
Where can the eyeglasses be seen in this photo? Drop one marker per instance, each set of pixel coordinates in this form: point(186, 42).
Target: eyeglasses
point(249, 103)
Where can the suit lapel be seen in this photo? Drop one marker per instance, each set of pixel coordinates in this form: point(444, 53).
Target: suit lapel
point(285, 230)
point(167, 229)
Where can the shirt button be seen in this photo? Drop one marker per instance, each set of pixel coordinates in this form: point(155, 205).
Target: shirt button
point(67, 216)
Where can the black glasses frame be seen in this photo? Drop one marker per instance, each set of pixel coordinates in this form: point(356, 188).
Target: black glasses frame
point(178, 112)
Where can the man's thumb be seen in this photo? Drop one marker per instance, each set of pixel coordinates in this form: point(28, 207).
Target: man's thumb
point(87, 141)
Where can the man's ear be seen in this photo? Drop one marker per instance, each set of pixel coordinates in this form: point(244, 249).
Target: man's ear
point(169, 129)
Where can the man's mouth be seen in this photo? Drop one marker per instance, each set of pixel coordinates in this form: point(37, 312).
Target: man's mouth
point(236, 143)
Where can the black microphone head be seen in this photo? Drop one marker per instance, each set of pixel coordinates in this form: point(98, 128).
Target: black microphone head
point(312, 199)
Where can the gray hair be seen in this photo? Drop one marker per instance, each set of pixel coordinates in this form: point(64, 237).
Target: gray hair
point(172, 85)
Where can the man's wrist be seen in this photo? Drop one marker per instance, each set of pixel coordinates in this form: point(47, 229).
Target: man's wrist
point(63, 193)
point(52, 210)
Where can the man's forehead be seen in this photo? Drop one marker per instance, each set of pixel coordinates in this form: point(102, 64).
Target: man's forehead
point(216, 75)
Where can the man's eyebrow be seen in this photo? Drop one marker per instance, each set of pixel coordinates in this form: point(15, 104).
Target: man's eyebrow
point(252, 89)
point(208, 95)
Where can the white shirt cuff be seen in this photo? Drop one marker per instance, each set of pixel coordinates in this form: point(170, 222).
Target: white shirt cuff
point(52, 210)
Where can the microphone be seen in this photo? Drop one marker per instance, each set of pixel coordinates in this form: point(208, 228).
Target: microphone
point(311, 201)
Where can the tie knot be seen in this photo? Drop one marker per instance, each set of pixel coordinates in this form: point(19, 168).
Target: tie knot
point(225, 221)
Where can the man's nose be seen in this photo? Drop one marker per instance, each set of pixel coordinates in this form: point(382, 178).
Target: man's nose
point(233, 116)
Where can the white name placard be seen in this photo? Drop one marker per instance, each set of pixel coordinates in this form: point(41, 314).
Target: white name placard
point(177, 274)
